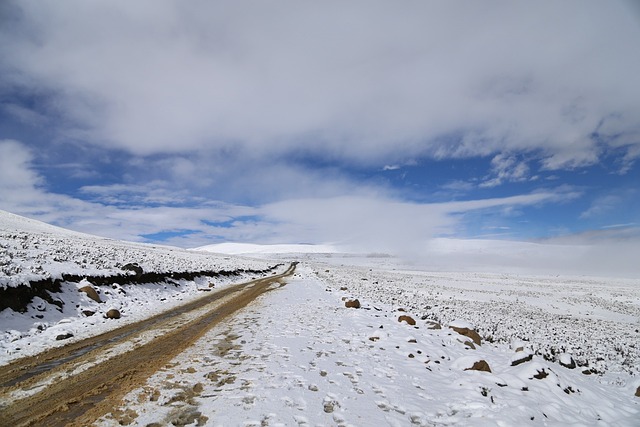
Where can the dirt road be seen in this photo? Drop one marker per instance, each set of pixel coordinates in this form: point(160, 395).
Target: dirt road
point(76, 384)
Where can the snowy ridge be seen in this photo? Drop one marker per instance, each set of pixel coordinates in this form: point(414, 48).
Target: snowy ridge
point(31, 250)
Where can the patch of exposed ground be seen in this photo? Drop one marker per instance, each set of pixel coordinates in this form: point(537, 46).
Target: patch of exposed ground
point(82, 390)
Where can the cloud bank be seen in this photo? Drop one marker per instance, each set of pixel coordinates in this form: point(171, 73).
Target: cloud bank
point(364, 82)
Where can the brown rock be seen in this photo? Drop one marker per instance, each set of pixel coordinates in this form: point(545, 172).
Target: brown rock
point(343, 288)
point(434, 325)
point(470, 345)
point(522, 360)
point(480, 365)
point(638, 392)
point(88, 313)
point(469, 333)
point(407, 319)
point(91, 293)
point(113, 314)
point(352, 303)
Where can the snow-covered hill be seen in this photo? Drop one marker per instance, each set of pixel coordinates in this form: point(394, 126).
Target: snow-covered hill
point(42, 268)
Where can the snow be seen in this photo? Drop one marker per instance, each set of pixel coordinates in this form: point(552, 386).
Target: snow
point(298, 356)
point(31, 250)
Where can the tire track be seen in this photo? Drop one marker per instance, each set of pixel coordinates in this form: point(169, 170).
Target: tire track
point(96, 373)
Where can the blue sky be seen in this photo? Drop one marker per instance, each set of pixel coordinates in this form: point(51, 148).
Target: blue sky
point(364, 124)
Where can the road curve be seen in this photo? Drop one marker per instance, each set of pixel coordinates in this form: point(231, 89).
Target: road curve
point(76, 384)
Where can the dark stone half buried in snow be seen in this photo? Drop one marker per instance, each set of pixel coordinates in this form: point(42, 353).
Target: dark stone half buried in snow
point(64, 336)
point(132, 266)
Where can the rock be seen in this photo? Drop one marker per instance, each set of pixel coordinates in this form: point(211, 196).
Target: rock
point(433, 325)
point(352, 303)
point(407, 319)
point(132, 266)
point(567, 361)
point(91, 293)
point(638, 392)
point(521, 360)
point(64, 336)
point(343, 288)
point(470, 345)
point(542, 374)
point(88, 313)
point(469, 333)
point(113, 314)
point(480, 365)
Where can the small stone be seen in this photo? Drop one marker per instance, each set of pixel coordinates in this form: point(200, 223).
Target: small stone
point(567, 361)
point(88, 313)
point(113, 314)
point(480, 365)
point(638, 392)
point(434, 325)
point(352, 303)
point(469, 333)
point(64, 336)
point(91, 293)
point(407, 319)
point(522, 360)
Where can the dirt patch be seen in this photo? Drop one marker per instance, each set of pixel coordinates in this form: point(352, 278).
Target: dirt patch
point(78, 400)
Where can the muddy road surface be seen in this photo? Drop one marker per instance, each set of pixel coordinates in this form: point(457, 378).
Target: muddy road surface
point(76, 384)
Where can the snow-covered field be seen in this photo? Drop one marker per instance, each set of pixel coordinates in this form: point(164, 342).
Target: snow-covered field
point(561, 350)
point(300, 357)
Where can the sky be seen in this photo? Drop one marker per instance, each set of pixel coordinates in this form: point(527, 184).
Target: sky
point(369, 124)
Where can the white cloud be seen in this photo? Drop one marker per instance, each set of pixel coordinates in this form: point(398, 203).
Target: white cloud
point(359, 81)
point(359, 217)
point(506, 168)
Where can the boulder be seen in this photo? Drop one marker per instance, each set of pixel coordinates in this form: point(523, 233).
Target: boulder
point(352, 303)
point(480, 365)
point(91, 293)
point(132, 266)
point(407, 319)
point(469, 333)
point(113, 314)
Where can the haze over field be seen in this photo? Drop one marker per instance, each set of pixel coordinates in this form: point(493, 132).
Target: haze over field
point(368, 126)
